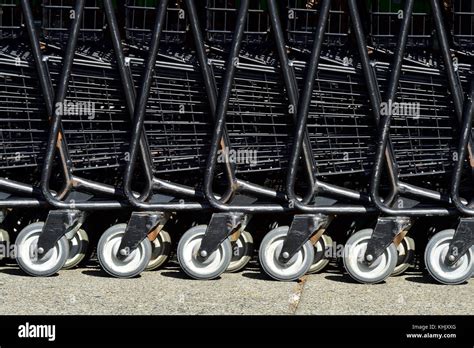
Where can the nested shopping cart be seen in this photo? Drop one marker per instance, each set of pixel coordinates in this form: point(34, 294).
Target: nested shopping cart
point(175, 109)
point(173, 113)
point(23, 131)
point(24, 123)
point(459, 245)
point(333, 111)
point(257, 104)
point(424, 142)
point(89, 117)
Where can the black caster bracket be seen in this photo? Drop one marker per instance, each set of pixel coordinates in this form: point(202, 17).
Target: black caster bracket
point(386, 229)
point(58, 224)
point(138, 227)
point(221, 226)
point(301, 230)
point(463, 239)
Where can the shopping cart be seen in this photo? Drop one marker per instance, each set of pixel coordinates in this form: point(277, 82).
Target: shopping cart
point(424, 142)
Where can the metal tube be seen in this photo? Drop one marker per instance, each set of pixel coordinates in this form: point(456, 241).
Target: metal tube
point(60, 96)
point(46, 89)
point(141, 101)
point(465, 137)
point(211, 89)
point(384, 124)
point(305, 100)
point(129, 92)
point(292, 90)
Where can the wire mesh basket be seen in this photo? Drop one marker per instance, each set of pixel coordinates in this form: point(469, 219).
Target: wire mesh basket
point(385, 21)
point(258, 118)
point(57, 15)
point(302, 20)
point(140, 17)
point(11, 19)
point(23, 122)
point(463, 25)
point(424, 125)
point(340, 124)
point(221, 18)
point(178, 122)
point(95, 119)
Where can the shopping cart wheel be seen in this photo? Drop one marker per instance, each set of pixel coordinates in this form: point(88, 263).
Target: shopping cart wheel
point(160, 250)
point(196, 267)
point(406, 254)
point(269, 253)
point(132, 265)
point(358, 268)
point(320, 258)
point(5, 240)
point(27, 257)
point(77, 249)
point(242, 250)
point(435, 254)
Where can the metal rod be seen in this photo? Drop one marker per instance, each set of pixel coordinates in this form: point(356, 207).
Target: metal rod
point(141, 100)
point(384, 123)
point(292, 90)
point(465, 137)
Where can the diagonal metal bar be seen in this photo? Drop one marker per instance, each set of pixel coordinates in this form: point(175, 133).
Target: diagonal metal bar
point(384, 125)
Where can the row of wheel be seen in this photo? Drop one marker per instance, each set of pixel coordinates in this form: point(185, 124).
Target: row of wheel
point(233, 255)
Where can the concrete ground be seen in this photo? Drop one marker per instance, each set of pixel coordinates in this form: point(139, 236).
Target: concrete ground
point(88, 290)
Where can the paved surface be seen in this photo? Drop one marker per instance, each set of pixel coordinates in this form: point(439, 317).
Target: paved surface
point(88, 290)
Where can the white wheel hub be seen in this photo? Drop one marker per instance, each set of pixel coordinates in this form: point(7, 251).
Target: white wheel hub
point(269, 253)
point(356, 265)
point(435, 255)
point(196, 266)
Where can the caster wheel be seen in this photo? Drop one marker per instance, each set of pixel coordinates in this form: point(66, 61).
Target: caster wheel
point(27, 259)
point(356, 266)
point(77, 249)
point(5, 240)
point(242, 250)
point(160, 250)
point(406, 254)
point(320, 259)
point(435, 253)
point(270, 249)
point(196, 267)
point(132, 265)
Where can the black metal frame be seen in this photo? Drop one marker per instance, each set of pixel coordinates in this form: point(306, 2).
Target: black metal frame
point(384, 135)
point(222, 106)
point(139, 119)
point(78, 182)
point(464, 236)
point(35, 198)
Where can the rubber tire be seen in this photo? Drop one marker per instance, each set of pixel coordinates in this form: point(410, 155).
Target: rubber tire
point(390, 255)
point(405, 261)
point(76, 255)
point(320, 261)
point(5, 239)
point(238, 262)
point(271, 265)
point(442, 240)
point(189, 263)
point(61, 249)
point(116, 232)
point(160, 251)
